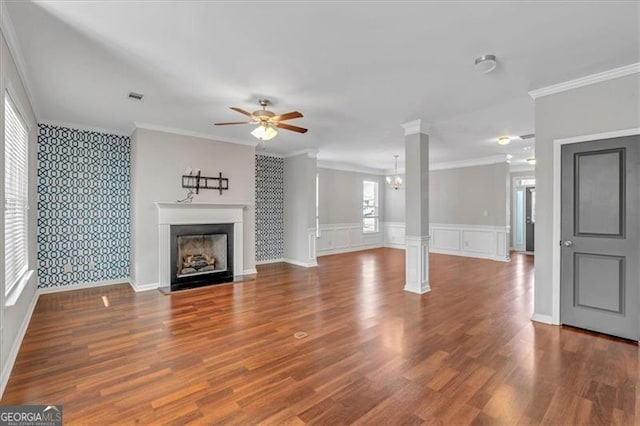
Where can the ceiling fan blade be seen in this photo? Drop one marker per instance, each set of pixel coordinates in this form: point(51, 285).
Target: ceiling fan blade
point(290, 127)
point(241, 111)
point(233, 122)
point(287, 116)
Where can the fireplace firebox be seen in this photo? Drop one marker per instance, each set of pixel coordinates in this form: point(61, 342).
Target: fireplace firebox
point(201, 255)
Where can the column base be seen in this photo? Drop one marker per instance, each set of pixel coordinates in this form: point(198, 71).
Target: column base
point(417, 264)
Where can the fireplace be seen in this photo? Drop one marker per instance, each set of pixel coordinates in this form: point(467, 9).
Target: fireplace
point(201, 255)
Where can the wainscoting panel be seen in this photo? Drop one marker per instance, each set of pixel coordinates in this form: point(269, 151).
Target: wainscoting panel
point(345, 237)
point(446, 239)
point(486, 242)
point(394, 234)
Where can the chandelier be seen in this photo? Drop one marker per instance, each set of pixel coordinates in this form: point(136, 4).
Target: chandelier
point(395, 181)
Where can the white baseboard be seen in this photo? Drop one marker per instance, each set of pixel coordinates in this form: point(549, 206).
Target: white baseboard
point(545, 319)
point(13, 353)
point(299, 263)
point(469, 254)
point(395, 246)
point(266, 262)
point(79, 286)
point(251, 271)
point(142, 287)
point(349, 249)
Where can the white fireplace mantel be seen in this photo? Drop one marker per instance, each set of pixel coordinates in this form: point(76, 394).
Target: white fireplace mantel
point(174, 213)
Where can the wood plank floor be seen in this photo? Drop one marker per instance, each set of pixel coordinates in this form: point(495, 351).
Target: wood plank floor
point(466, 353)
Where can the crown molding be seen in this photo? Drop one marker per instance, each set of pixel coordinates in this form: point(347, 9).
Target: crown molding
point(345, 167)
point(182, 132)
point(484, 161)
point(522, 167)
point(8, 31)
point(415, 126)
point(586, 81)
point(270, 154)
point(311, 153)
point(83, 127)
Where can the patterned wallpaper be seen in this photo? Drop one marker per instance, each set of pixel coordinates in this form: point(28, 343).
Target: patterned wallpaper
point(83, 206)
point(269, 208)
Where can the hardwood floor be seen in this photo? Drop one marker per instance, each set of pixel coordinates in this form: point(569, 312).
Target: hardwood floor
point(465, 353)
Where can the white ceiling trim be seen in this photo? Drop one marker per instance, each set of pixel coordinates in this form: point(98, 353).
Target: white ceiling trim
point(6, 26)
point(585, 81)
point(344, 167)
point(496, 159)
point(148, 126)
point(84, 127)
point(522, 167)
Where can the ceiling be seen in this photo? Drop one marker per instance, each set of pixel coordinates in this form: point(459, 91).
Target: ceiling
point(356, 70)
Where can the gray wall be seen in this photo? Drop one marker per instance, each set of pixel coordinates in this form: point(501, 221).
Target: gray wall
point(394, 203)
point(461, 196)
point(174, 154)
point(603, 107)
point(17, 315)
point(299, 206)
point(340, 198)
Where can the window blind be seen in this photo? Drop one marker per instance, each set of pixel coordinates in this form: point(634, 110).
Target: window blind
point(16, 188)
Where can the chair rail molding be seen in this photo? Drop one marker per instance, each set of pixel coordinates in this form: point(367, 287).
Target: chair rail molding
point(346, 237)
point(480, 241)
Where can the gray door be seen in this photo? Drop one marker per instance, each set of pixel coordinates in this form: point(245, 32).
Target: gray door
point(530, 202)
point(600, 275)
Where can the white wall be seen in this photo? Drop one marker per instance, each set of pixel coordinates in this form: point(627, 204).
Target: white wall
point(602, 107)
point(159, 160)
point(15, 314)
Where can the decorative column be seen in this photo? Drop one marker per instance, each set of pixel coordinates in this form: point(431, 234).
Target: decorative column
point(417, 207)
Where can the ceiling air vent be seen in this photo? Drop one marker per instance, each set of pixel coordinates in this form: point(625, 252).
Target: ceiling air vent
point(528, 136)
point(136, 96)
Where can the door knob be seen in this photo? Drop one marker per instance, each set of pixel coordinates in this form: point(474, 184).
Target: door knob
point(568, 243)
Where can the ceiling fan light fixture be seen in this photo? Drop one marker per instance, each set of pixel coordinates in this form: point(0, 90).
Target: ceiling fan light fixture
point(504, 140)
point(264, 132)
point(486, 63)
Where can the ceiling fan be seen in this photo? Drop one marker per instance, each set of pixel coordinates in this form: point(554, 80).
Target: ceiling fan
point(267, 120)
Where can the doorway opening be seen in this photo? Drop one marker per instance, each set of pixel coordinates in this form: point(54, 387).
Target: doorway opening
point(524, 217)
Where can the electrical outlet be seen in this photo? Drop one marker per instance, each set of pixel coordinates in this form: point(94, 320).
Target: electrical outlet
point(67, 268)
point(485, 213)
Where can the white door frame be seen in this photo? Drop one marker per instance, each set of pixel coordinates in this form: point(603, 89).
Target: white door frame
point(557, 182)
point(514, 212)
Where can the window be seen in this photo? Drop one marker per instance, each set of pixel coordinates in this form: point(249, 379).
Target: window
point(370, 214)
point(16, 186)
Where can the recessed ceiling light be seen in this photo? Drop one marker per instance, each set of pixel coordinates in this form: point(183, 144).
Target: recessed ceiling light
point(486, 63)
point(504, 140)
point(531, 161)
